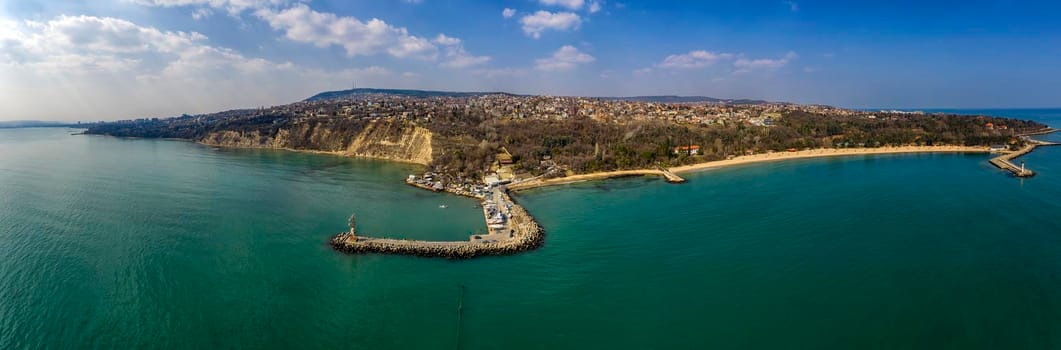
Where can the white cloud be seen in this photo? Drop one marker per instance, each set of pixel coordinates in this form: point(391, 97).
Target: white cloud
point(594, 7)
point(693, 59)
point(746, 65)
point(234, 7)
point(201, 13)
point(566, 58)
point(455, 54)
point(508, 13)
point(701, 59)
point(109, 68)
point(88, 44)
point(91, 43)
point(570, 4)
point(442, 39)
point(535, 24)
point(302, 24)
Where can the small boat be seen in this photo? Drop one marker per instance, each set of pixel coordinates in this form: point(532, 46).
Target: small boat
point(443, 206)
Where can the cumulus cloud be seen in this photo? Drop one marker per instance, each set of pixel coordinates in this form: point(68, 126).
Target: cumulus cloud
point(234, 7)
point(90, 43)
point(455, 54)
point(701, 58)
point(508, 13)
point(302, 24)
point(566, 58)
point(746, 65)
point(570, 4)
point(594, 7)
point(109, 68)
point(693, 59)
point(201, 13)
point(538, 22)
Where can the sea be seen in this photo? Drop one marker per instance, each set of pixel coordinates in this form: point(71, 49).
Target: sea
point(111, 243)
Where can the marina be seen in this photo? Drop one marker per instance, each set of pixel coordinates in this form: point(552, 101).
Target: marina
point(1005, 161)
point(510, 229)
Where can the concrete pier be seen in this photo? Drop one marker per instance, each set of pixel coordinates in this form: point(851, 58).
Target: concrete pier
point(670, 176)
point(1005, 161)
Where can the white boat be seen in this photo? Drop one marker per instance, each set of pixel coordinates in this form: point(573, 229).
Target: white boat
point(443, 206)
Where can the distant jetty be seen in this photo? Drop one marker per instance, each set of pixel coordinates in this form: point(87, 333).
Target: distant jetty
point(1005, 161)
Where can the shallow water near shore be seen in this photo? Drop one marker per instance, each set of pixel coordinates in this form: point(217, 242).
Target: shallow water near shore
point(114, 243)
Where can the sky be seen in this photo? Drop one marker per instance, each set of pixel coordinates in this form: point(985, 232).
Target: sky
point(90, 60)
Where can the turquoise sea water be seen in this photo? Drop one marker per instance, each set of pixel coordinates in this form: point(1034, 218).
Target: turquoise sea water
point(116, 243)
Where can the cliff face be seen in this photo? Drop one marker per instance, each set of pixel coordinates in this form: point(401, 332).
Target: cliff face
point(381, 139)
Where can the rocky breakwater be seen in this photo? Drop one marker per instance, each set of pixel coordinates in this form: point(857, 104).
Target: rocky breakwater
point(521, 233)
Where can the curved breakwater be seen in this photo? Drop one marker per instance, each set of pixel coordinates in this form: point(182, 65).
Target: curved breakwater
point(1005, 161)
point(520, 232)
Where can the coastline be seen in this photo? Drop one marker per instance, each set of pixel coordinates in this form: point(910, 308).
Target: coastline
point(330, 153)
point(757, 158)
point(828, 152)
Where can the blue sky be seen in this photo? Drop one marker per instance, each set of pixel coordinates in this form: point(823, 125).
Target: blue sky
point(116, 59)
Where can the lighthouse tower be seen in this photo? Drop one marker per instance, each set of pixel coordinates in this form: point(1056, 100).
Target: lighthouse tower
point(353, 227)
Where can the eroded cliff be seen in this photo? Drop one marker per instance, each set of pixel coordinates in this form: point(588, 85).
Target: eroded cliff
point(382, 139)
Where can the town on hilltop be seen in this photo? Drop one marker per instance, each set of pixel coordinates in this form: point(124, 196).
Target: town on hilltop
point(471, 139)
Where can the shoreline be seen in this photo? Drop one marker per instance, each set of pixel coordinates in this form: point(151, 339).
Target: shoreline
point(828, 152)
point(752, 159)
point(310, 151)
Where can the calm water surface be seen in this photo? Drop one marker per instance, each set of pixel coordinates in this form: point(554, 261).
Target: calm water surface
point(115, 243)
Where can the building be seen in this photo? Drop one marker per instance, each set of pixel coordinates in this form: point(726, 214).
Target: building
point(690, 150)
point(491, 180)
point(504, 157)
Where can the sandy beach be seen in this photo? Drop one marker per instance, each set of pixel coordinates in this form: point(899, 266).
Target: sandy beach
point(582, 177)
point(757, 158)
